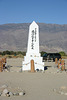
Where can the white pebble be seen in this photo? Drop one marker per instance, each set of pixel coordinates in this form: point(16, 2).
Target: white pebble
point(21, 93)
point(7, 95)
point(15, 94)
point(65, 93)
point(62, 93)
point(54, 90)
point(5, 91)
point(10, 93)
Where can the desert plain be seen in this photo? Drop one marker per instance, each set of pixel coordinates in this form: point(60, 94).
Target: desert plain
point(48, 85)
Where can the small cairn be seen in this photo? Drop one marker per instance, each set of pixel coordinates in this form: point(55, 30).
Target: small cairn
point(8, 91)
point(62, 90)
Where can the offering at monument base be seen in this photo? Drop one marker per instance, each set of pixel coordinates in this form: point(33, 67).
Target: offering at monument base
point(33, 50)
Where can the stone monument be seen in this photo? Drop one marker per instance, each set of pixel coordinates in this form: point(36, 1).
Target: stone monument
point(33, 50)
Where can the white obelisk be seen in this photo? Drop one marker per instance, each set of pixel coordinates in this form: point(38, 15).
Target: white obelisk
point(33, 49)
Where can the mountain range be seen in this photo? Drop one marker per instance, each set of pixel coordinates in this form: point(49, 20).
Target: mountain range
point(53, 37)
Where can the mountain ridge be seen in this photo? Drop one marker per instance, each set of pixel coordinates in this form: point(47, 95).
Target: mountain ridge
point(53, 37)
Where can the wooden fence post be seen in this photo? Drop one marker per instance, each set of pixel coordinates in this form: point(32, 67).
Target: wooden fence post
point(63, 65)
point(59, 64)
point(0, 66)
point(56, 61)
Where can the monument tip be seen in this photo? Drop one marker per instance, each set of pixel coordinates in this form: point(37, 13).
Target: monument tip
point(34, 23)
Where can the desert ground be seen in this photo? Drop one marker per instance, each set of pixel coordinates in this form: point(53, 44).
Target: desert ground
point(48, 85)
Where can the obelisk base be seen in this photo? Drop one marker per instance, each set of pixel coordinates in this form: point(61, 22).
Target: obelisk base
point(26, 64)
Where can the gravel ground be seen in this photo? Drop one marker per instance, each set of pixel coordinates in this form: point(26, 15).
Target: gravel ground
point(38, 86)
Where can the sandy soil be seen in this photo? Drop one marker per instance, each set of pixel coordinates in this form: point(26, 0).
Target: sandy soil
point(38, 86)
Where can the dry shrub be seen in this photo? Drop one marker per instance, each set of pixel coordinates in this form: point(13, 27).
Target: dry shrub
point(64, 57)
point(20, 56)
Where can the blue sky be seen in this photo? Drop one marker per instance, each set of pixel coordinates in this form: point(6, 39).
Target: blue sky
point(25, 11)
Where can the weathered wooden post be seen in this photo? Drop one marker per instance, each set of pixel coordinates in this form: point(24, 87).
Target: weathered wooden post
point(56, 61)
point(2, 63)
point(32, 66)
point(60, 60)
point(4, 59)
point(59, 64)
point(0, 66)
point(63, 65)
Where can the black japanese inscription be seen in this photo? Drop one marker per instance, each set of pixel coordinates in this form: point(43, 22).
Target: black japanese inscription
point(32, 44)
point(35, 34)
